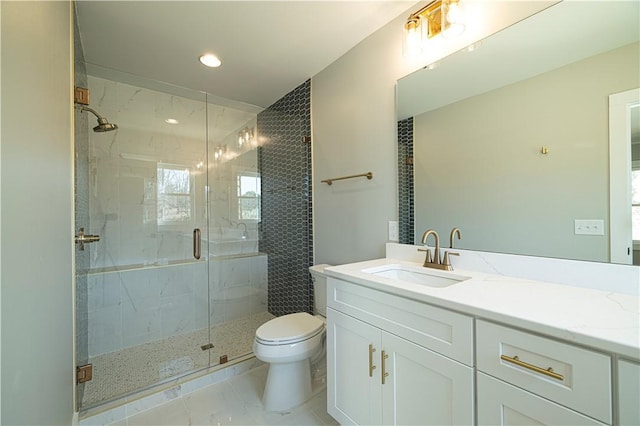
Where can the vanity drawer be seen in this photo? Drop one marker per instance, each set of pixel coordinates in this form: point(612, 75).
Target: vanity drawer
point(442, 331)
point(500, 403)
point(580, 379)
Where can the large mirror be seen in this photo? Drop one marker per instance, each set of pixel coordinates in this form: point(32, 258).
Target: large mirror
point(511, 137)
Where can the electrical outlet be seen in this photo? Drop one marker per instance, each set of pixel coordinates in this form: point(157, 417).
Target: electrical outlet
point(589, 227)
point(394, 234)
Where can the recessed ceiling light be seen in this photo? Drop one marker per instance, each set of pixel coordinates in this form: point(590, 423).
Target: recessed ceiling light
point(210, 60)
point(171, 121)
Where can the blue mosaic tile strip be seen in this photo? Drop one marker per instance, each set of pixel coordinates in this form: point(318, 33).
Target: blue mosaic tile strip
point(405, 181)
point(284, 160)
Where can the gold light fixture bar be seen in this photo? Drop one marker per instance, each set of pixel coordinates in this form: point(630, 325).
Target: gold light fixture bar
point(432, 16)
point(432, 13)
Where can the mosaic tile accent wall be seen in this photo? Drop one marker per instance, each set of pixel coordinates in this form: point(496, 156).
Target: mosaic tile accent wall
point(405, 181)
point(284, 160)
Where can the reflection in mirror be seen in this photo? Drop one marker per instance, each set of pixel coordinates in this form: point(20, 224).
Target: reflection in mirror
point(510, 142)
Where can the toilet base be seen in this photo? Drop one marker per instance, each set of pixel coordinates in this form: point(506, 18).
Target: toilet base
point(288, 385)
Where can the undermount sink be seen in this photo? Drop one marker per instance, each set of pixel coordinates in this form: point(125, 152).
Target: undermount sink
point(416, 275)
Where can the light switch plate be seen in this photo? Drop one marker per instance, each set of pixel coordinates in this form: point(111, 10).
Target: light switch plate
point(394, 234)
point(589, 227)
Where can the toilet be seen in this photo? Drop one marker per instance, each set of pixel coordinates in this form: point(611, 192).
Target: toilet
point(289, 344)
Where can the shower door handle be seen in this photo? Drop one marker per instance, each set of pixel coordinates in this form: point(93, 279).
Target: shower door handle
point(196, 243)
point(82, 239)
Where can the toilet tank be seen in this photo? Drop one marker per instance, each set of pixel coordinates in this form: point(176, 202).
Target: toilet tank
point(319, 288)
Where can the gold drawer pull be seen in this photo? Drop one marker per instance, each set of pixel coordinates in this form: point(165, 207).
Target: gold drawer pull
point(371, 366)
point(385, 374)
point(548, 372)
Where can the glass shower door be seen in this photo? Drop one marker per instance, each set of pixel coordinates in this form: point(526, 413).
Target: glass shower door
point(238, 270)
point(142, 306)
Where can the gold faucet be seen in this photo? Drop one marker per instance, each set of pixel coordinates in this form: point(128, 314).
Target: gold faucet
point(454, 231)
point(436, 262)
point(436, 253)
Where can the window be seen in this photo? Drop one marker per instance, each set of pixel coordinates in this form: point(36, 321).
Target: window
point(175, 200)
point(248, 196)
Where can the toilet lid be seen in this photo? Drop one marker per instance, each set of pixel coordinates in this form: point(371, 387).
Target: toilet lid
point(287, 328)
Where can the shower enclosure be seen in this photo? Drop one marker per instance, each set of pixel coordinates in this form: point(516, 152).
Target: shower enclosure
point(174, 282)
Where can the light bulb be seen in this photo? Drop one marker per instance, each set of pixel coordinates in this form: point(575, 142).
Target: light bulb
point(454, 16)
point(412, 38)
point(452, 20)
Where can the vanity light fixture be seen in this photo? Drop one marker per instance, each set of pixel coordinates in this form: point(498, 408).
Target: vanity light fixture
point(219, 152)
point(438, 17)
point(210, 60)
point(171, 121)
point(244, 136)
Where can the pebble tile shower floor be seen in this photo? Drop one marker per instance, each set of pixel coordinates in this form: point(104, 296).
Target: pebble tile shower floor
point(120, 373)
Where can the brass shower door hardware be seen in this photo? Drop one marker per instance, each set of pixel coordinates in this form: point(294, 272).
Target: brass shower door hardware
point(196, 243)
point(84, 373)
point(82, 239)
point(368, 175)
point(81, 96)
point(207, 346)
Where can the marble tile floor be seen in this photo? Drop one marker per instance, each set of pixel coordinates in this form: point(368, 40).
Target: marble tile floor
point(235, 401)
point(120, 373)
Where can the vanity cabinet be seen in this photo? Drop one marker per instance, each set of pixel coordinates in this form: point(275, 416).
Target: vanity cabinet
point(628, 391)
point(527, 378)
point(383, 368)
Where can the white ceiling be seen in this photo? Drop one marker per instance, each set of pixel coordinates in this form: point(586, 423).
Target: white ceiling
point(267, 48)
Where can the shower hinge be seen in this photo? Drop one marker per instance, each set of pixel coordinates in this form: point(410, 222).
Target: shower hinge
point(306, 139)
point(207, 346)
point(409, 160)
point(84, 373)
point(81, 96)
point(224, 359)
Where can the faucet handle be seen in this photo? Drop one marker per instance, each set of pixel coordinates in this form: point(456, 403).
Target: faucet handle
point(428, 258)
point(446, 261)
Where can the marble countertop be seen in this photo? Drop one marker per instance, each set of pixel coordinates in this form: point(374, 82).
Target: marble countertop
point(598, 319)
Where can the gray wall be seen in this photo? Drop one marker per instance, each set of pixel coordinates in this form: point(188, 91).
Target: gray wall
point(354, 131)
point(37, 216)
point(478, 164)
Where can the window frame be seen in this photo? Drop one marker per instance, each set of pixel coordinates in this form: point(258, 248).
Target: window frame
point(175, 224)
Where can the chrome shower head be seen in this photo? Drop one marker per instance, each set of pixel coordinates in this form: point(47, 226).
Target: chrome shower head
point(103, 123)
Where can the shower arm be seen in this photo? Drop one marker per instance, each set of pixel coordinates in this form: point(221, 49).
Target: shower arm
point(86, 108)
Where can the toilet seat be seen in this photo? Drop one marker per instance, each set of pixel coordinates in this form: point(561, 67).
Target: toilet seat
point(289, 329)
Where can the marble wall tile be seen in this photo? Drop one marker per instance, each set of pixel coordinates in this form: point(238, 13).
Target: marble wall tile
point(132, 307)
point(105, 331)
point(177, 314)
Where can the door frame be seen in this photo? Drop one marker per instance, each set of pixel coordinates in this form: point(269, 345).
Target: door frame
point(621, 243)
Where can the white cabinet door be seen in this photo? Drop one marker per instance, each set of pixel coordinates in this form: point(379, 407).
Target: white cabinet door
point(500, 403)
point(629, 392)
point(353, 394)
point(423, 387)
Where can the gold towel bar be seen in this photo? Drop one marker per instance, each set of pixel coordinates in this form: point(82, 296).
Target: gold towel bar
point(368, 175)
point(548, 372)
